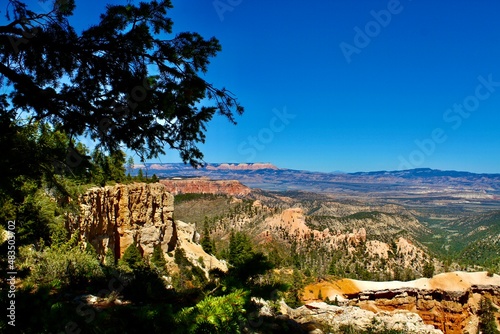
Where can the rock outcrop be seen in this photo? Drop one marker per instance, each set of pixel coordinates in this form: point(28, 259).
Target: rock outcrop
point(292, 222)
point(114, 217)
point(186, 235)
point(205, 186)
point(449, 302)
point(335, 318)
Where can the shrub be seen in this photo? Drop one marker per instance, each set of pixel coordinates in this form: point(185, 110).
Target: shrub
point(109, 258)
point(59, 266)
point(145, 286)
point(222, 314)
point(428, 270)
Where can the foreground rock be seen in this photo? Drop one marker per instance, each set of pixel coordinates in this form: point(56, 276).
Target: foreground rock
point(330, 318)
point(449, 301)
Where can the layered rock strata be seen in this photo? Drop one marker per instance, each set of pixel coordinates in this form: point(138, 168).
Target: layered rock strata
point(206, 186)
point(449, 301)
point(114, 217)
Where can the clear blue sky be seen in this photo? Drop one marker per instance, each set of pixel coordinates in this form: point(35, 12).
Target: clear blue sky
point(352, 85)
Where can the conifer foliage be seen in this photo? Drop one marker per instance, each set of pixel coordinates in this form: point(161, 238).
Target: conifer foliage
point(117, 82)
point(487, 323)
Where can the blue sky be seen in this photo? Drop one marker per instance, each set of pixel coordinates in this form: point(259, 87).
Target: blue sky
point(351, 85)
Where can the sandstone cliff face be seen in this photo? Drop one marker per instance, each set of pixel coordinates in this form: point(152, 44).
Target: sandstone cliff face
point(452, 312)
point(205, 186)
point(113, 217)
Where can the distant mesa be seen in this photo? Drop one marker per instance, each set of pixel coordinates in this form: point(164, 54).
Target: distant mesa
point(421, 184)
point(160, 166)
point(241, 166)
point(210, 166)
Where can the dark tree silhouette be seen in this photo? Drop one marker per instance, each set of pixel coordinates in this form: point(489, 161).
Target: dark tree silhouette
point(116, 82)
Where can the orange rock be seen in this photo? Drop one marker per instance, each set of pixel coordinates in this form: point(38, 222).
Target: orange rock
point(113, 217)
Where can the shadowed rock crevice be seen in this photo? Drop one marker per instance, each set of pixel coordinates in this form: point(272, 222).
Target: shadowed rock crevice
point(173, 239)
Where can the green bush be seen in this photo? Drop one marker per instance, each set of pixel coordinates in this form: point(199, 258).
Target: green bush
point(59, 266)
point(222, 314)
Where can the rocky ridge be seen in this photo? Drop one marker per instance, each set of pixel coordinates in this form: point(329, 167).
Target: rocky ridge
point(292, 222)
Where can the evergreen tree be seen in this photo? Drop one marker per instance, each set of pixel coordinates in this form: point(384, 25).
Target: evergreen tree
point(428, 269)
point(116, 163)
point(108, 168)
point(120, 83)
point(295, 255)
point(487, 323)
point(130, 165)
point(158, 259)
point(144, 92)
point(132, 257)
point(206, 242)
point(240, 248)
point(140, 176)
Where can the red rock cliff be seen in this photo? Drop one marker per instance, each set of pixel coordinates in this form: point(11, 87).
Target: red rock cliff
point(205, 186)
